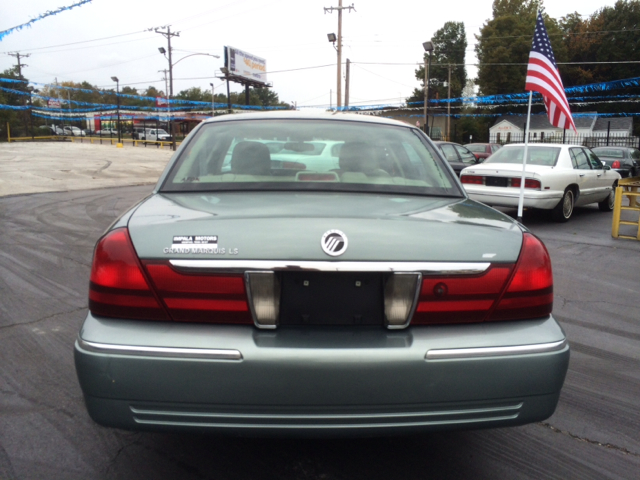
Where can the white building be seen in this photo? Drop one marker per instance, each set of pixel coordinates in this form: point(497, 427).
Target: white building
point(511, 128)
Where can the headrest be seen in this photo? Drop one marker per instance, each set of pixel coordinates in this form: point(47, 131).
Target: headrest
point(251, 158)
point(357, 157)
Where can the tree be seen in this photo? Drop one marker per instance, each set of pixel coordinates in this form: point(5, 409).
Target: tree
point(194, 94)
point(14, 117)
point(504, 44)
point(450, 44)
point(609, 35)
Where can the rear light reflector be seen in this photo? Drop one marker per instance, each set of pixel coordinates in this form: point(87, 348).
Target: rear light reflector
point(200, 297)
point(528, 183)
point(400, 292)
point(615, 164)
point(264, 298)
point(460, 299)
point(118, 287)
point(472, 179)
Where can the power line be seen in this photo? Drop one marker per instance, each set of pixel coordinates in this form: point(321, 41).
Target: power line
point(388, 79)
point(629, 30)
point(500, 64)
point(83, 41)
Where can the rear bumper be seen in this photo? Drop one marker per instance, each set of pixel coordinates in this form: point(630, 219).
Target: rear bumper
point(156, 376)
point(509, 197)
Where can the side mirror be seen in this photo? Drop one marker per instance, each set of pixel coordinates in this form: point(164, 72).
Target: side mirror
point(606, 167)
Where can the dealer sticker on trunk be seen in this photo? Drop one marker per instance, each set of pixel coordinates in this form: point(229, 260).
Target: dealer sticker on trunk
point(207, 244)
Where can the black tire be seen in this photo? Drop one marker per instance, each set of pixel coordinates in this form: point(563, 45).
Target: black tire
point(563, 211)
point(606, 205)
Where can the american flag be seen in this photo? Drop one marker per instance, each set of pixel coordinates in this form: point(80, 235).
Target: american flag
point(543, 77)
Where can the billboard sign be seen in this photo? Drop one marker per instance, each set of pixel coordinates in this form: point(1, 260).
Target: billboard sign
point(245, 65)
point(161, 102)
point(53, 103)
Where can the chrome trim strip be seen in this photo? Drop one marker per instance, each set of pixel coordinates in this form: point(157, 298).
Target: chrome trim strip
point(348, 426)
point(426, 268)
point(463, 353)
point(369, 416)
point(161, 352)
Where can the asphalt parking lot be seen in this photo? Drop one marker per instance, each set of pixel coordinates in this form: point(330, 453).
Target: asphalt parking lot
point(46, 243)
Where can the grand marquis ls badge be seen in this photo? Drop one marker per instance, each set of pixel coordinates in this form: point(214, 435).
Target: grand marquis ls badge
point(334, 243)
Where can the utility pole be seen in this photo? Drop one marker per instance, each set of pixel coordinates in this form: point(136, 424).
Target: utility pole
point(166, 85)
point(20, 65)
point(346, 84)
point(339, 8)
point(213, 102)
point(168, 34)
point(449, 107)
point(166, 94)
point(60, 106)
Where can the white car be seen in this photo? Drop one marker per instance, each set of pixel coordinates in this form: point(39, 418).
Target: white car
point(74, 131)
point(557, 178)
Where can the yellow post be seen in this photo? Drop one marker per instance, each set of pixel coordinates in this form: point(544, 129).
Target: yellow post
point(8, 133)
point(617, 207)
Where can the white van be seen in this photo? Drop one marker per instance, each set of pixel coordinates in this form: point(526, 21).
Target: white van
point(154, 135)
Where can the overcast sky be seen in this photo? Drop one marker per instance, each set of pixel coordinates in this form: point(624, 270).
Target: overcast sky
point(290, 34)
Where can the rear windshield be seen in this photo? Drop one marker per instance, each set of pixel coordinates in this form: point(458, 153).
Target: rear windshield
point(476, 148)
point(535, 156)
point(608, 152)
point(309, 155)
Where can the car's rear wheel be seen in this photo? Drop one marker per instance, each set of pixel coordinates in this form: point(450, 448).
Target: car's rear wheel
point(563, 211)
point(606, 205)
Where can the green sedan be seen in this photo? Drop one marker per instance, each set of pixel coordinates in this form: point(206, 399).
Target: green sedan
point(357, 291)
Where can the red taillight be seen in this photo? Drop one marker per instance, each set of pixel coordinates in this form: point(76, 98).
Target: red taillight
point(121, 288)
point(294, 166)
point(615, 164)
point(460, 300)
point(118, 287)
point(528, 183)
point(504, 292)
point(200, 298)
point(472, 179)
point(530, 292)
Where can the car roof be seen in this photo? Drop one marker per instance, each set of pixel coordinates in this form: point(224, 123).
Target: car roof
point(298, 115)
point(544, 145)
point(613, 148)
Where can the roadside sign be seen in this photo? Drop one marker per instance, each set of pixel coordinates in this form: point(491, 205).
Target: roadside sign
point(161, 102)
point(53, 103)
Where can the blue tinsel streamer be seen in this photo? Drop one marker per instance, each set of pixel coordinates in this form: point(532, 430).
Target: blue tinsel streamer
point(4, 33)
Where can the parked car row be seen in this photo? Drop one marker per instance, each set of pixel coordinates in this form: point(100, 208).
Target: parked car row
point(60, 130)
point(149, 134)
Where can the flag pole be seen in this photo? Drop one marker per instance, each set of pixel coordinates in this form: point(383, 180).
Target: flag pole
point(524, 160)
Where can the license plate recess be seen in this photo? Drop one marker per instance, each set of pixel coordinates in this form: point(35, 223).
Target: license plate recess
point(328, 298)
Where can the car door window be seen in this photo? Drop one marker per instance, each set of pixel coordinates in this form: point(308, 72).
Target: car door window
point(595, 162)
point(449, 152)
point(466, 156)
point(579, 159)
